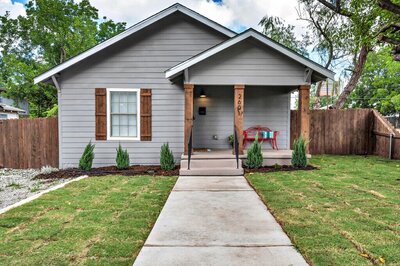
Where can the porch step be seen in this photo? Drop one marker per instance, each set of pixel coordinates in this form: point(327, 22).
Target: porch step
point(211, 167)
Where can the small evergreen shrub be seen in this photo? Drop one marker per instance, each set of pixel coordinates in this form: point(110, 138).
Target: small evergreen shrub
point(166, 158)
point(122, 158)
point(231, 140)
point(254, 155)
point(86, 161)
point(299, 156)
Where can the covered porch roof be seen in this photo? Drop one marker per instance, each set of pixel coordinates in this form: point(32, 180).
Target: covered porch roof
point(273, 54)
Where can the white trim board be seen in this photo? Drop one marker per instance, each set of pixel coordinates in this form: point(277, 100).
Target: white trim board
point(176, 70)
point(31, 198)
point(141, 25)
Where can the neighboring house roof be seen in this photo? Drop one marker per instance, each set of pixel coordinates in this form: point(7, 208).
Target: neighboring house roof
point(10, 109)
point(131, 30)
point(250, 33)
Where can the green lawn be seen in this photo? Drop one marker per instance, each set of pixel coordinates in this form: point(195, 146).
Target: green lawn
point(346, 213)
point(96, 221)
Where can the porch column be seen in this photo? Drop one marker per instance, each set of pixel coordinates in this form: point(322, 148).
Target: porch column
point(304, 109)
point(238, 114)
point(188, 114)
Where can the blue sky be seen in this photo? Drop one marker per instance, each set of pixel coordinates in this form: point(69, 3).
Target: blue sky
point(19, 1)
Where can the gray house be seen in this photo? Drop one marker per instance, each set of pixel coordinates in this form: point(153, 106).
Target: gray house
point(173, 75)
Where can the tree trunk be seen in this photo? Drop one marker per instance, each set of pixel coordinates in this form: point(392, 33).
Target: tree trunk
point(362, 58)
point(317, 104)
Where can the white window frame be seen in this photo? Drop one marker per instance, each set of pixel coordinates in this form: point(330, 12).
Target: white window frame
point(109, 90)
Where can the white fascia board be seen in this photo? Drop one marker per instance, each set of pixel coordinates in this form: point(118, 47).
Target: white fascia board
point(176, 70)
point(141, 25)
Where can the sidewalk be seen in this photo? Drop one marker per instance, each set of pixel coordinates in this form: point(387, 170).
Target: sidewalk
point(216, 221)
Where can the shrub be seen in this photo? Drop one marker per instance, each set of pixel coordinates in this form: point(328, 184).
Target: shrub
point(86, 161)
point(122, 158)
point(254, 155)
point(299, 156)
point(231, 140)
point(166, 158)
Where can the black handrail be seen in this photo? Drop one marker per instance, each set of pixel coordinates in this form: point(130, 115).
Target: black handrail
point(190, 148)
point(236, 146)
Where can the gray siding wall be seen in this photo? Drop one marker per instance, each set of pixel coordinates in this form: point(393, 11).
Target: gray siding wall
point(267, 106)
point(137, 62)
point(248, 63)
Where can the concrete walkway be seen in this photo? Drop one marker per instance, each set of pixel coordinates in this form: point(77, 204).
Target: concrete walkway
point(216, 221)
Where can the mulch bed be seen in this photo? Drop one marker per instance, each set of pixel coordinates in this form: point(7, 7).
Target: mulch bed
point(282, 168)
point(111, 170)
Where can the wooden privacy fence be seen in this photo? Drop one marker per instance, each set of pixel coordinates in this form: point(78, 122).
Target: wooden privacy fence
point(349, 131)
point(29, 143)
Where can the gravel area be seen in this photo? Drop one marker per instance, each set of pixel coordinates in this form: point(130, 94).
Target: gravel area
point(18, 184)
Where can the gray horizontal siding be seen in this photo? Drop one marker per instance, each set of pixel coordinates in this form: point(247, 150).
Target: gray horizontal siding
point(267, 106)
point(137, 62)
point(248, 63)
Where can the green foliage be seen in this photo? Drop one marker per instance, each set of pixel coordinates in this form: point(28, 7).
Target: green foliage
point(231, 140)
point(53, 112)
point(379, 84)
point(299, 155)
point(122, 158)
point(167, 161)
point(275, 28)
point(86, 161)
point(254, 155)
point(51, 32)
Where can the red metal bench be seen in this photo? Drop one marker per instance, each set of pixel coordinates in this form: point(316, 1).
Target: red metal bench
point(251, 133)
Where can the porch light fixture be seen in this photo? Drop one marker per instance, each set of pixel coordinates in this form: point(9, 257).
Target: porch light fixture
point(203, 94)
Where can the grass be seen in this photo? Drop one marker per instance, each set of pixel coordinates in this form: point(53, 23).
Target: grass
point(346, 213)
point(96, 221)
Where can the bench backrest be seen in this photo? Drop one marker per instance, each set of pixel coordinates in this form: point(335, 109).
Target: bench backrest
point(253, 131)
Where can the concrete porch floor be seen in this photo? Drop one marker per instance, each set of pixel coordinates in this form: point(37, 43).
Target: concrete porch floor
point(271, 157)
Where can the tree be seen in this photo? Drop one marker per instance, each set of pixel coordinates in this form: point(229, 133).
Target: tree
point(325, 38)
point(379, 85)
point(364, 24)
point(276, 29)
point(51, 32)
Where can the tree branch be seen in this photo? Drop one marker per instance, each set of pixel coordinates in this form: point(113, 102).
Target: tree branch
point(337, 7)
point(389, 6)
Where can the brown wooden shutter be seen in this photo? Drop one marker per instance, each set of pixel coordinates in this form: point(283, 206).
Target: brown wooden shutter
point(101, 114)
point(145, 114)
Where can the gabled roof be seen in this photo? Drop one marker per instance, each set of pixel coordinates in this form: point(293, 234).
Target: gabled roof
point(131, 30)
point(250, 33)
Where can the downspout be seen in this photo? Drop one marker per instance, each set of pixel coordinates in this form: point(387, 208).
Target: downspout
point(57, 85)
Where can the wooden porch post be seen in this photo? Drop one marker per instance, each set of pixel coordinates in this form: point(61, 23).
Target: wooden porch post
point(188, 114)
point(304, 109)
point(238, 114)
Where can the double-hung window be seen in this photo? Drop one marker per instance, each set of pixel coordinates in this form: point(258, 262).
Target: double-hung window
point(123, 117)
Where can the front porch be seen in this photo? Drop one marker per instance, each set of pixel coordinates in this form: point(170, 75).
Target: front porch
point(271, 157)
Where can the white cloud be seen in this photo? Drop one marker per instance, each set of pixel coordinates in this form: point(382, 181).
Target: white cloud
point(231, 14)
point(234, 14)
point(14, 9)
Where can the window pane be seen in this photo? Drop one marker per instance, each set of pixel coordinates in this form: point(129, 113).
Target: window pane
point(123, 120)
point(123, 131)
point(115, 120)
point(115, 131)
